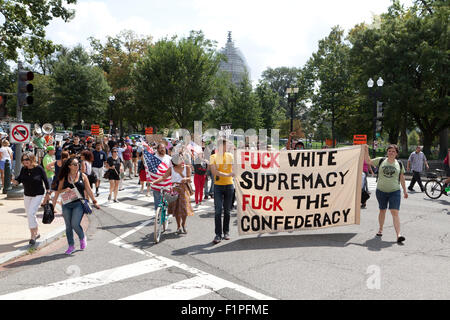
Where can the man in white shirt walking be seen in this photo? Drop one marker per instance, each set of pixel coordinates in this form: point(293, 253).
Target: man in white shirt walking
point(415, 162)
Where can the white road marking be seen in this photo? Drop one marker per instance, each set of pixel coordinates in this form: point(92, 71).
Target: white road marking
point(89, 281)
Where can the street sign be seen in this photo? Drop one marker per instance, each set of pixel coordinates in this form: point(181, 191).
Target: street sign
point(360, 139)
point(20, 132)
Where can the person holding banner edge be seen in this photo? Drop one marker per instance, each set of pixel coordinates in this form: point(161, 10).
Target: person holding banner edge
point(222, 169)
point(391, 175)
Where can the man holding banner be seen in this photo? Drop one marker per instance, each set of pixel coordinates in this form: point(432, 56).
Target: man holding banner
point(222, 169)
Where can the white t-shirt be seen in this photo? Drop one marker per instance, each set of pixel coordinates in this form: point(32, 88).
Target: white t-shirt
point(5, 152)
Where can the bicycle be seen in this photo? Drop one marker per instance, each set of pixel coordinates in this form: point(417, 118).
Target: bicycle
point(434, 187)
point(162, 216)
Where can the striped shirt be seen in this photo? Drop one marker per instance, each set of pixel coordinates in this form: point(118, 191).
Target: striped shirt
point(417, 161)
point(162, 168)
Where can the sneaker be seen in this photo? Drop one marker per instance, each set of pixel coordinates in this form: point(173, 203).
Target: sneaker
point(83, 244)
point(226, 236)
point(206, 197)
point(70, 250)
point(410, 189)
point(217, 239)
point(97, 194)
point(116, 201)
point(109, 198)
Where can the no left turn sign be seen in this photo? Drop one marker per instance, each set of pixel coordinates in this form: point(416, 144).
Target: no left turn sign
point(20, 132)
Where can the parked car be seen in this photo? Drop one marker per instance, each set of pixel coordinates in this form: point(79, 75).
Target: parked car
point(82, 133)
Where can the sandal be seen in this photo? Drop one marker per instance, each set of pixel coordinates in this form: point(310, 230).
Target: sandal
point(401, 239)
point(380, 234)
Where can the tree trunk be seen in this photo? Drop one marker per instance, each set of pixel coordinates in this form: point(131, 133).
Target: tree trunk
point(427, 142)
point(443, 143)
point(403, 136)
point(393, 135)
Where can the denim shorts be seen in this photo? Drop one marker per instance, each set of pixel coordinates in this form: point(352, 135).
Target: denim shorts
point(393, 198)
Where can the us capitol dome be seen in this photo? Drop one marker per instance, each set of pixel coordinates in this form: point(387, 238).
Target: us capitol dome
point(236, 64)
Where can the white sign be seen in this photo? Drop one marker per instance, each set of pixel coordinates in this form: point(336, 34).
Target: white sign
point(20, 133)
point(59, 137)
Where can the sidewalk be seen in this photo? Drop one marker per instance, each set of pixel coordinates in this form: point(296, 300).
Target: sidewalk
point(14, 232)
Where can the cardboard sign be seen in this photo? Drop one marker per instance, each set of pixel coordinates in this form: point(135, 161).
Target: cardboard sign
point(153, 138)
point(298, 190)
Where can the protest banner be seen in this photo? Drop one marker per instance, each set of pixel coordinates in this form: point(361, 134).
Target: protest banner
point(298, 190)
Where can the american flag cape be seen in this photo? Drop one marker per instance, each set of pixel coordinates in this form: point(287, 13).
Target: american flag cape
point(154, 169)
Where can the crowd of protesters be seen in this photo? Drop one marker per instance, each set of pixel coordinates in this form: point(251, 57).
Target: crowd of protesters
point(70, 170)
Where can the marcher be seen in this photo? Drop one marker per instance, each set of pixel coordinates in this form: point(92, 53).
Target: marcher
point(127, 155)
point(34, 179)
point(416, 161)
point(222, 168)
point(49, 163)
point(200, 168)
point(365, 187)
point(76, 148)
point(134, 156)
point(143, 175)
point(39, 147)
point(180, 174)
point(58, 165)
point(114, 166)
point(6, 154)
point(447, 169)
point(298, 144)
point(98, 164)
point(162, 169)
point(390, 176)
point(71, 181)
point(87, 158)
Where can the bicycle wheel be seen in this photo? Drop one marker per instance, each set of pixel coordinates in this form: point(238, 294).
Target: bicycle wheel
point(433, 189)
point(158, 229)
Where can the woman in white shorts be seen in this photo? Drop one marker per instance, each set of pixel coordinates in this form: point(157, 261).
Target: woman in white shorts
point(33, 178)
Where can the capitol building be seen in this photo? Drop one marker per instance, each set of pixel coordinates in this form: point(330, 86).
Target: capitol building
point(236, 64)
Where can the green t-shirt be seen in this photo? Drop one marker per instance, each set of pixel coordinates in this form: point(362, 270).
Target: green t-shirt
point(39, 142)
point(48, 159)
point(388, 175)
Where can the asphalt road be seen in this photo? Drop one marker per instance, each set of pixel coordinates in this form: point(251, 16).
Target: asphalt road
point(122, 261)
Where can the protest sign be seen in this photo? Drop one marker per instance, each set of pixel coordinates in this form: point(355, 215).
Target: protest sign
point(297, 190)
point(154, 138)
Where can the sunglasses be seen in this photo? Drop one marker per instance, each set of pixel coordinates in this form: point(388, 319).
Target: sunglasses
point(74, 164)
point(114, 151)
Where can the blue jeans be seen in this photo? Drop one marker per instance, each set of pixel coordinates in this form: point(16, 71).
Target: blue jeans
point(73, 213)
point(156, 198)
point(223, 195)
point(391, 198)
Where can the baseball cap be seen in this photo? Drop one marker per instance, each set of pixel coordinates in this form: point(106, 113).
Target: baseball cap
point(50, 148)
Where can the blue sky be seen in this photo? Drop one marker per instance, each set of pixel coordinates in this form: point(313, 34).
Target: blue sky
point(269, 33)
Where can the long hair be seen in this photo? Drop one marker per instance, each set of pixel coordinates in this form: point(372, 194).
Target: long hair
point(31, 156)
point(64, 172)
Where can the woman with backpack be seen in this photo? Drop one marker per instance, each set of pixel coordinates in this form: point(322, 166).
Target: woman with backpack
point(390, 176)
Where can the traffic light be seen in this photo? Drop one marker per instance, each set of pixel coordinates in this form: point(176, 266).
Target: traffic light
point(25, 88)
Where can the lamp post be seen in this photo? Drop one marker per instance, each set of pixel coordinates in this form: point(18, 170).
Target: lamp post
point(292, 99)
point(375, 95)
point(111, 100)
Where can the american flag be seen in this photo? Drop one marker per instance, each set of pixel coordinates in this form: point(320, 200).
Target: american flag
point(154, 169)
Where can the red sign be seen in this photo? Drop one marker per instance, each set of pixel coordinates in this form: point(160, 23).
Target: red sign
point(149, 130)
point(95, 128)
point(20, 133)
point(360, 139)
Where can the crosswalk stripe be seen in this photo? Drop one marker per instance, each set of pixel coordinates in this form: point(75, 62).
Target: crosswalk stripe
point(182, 290)
point(145, 211)
point(90, 281)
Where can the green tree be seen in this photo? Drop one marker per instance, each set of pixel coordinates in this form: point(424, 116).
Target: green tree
point(332, 93)
point(175, 78)
point(246, 111)
point(117, 57)
point(269, 105)
point(25, 21)
point(80, 90)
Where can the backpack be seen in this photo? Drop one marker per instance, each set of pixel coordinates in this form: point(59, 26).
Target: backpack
point(379, 166)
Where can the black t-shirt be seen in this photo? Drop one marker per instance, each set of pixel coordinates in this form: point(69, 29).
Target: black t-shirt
point(76, 148)
point(114, 162)
point(32, 181)
point(200, 168)
point(79, 184)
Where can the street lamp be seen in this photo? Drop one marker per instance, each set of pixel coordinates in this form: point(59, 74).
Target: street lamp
point(375, 95)
point(292, 99)
point(111, 100)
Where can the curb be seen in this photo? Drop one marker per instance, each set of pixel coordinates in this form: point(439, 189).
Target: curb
point(51, 237)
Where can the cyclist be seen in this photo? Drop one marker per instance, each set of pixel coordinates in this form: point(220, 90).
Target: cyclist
point(447, 168)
